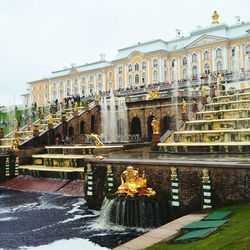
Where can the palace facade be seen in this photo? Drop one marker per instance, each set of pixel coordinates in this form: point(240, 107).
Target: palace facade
point(216, 48)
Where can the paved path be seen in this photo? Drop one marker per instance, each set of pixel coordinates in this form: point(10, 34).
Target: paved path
point(165, 232)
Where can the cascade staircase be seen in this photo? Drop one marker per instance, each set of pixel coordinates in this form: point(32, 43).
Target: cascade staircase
point(40, 127)
point(222, 127)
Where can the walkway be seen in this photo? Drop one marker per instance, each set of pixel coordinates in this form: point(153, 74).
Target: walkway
point(165, 232)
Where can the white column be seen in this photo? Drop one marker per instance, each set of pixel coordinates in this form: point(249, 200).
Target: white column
point(160, 69)
point(115, 77)
point(148, 71)
point(71, 86)
point(225, 56)
point(189, 63)
point(87, 89)
point(199, 64)
point(213, 60)
point(104, 88)
point(125, 76)
point(241, 47)
point(78, 86)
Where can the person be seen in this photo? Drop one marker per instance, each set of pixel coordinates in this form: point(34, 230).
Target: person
point(155, 126)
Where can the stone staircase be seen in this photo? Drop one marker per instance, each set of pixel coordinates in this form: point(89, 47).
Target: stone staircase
point(223, 126)
point(40, 126)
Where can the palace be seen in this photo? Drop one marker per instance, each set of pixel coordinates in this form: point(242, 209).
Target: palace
point(207, 50)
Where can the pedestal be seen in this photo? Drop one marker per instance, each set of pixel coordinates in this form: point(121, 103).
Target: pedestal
point(184, 116)
point(155, 141)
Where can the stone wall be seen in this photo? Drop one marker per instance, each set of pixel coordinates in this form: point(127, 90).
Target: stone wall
point(229, 184)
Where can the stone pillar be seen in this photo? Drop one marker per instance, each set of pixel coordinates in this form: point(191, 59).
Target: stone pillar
point(206, 189)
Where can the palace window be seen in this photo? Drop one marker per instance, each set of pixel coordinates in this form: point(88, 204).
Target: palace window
point(54, 85)
point(91, 79)
point(195, 71)
point(155, 75)
point(207, 68)
point(219, 52)
point(165, 75)
point(40, 87)
point(99, 87)
point(173, 63)
point(120, 70)
point(46, 86)
point(110, 85)
point(184, 74)
point(194, 58)
point(61, 84)
point(83, 79)
point(76, 81)
point(165, 63)
point(143, 77)
point(206, 55)
point(248, 49)
point(75, 90)
point(130, 79)
point(144, 65)
point(155, 63)
point(110, 74)
point(184, 61)
point(91, 88)
point(99, 76)
point(68, 82)
point(119, 83)
point(68, 91)
point(219, 66)
point(136, 67)
point(233, 52)
point(137, 78)
point(129, 68)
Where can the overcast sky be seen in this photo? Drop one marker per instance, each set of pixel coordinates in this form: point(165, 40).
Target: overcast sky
point(40, 36)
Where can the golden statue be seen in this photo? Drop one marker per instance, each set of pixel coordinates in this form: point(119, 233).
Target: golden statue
point(173, 173)
point(96, 139)
point(50, 120)
point(96, 97)
point(15, 144)
point(205, 175)
point(16, 128)
point(156, 126)
point(132, 184)
point(154, 94)
point(203, 91)
point(215, 17)
point(183, 106)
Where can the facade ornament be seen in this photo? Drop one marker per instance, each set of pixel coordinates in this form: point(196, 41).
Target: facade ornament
point(173, 173)
point(205, 175)
point(155, 126)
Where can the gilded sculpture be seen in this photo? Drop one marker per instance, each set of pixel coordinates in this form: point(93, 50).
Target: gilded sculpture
point(173, 173)
point(96, 139)
point(154, 94)
point(205, 175)
point(132, 183)
point(215, 17)
point(155, 126)
point(183, 106)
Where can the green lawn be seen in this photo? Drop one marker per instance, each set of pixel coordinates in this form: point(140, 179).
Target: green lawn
point(235, 235)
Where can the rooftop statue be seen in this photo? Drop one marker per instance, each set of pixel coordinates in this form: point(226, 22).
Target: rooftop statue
point(215, 17)
point(155, 126)
point(132, 184)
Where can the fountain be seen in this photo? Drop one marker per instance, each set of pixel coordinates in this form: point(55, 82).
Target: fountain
point(134, 204)
point(114, 119)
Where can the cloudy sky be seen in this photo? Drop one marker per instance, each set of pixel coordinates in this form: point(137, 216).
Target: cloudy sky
point(40, 36)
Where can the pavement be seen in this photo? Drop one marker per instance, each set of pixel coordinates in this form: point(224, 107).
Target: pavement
point(163, 233)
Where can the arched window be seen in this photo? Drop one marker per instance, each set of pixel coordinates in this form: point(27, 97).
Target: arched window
point(129, 68)
point(110, 85)
point(173, 75)
point(155, 63)
point(130, 79)
point(165, 63)
point(195, 71)
point(99, 87)
point(165, 75)
point(75, 81)
point(137, 78)
point(144, 65)
point(91, 79)
point(61, 84)
point(206, 55)
point(173, 63)
point(68, 92)
point(218, 52)
point(248, 49)
point(233, 52)
point(144, 77)
point(219, 66)
point(155, 75)
point(207, 68)
point(110, 74)
point(119, 83)
point(83, 79)
point(184, 61)
point(75, 90)
point(99, 76)
point(82, 124)
point(136, 67)
point(184, 74)
point(120, 70)
point(194, 58)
